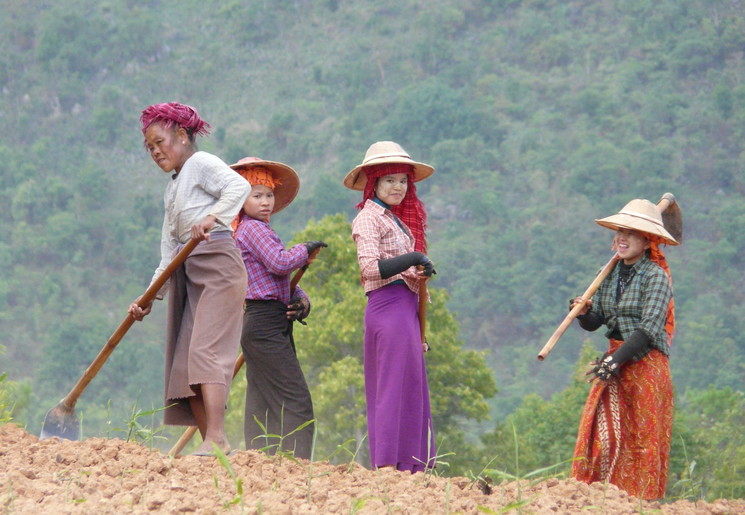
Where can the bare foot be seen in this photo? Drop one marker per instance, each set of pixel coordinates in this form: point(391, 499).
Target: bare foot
point(206, 448)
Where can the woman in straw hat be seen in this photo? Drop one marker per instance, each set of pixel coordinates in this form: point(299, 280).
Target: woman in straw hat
point(277, 395)
point(624, 433)
point(206, 292)
point(389, 233)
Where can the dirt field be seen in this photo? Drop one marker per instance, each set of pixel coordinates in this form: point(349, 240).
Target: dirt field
point(112, 476)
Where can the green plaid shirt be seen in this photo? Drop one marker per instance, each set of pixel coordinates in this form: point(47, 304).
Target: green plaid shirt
point(643, 304)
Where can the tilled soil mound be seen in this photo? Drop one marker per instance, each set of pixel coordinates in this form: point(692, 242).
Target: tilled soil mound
point(101, 475)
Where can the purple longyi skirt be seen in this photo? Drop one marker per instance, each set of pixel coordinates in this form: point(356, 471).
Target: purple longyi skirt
point(399, 419)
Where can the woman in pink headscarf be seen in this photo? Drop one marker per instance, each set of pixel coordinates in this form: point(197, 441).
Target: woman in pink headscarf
point(206, 293)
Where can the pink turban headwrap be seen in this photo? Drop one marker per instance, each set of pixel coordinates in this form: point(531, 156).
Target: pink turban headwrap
point(174, 113)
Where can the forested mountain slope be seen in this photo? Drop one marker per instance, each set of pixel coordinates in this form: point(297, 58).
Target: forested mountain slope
point(538, 115)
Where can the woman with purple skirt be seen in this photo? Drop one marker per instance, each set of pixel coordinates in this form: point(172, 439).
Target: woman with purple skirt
point(390, 239)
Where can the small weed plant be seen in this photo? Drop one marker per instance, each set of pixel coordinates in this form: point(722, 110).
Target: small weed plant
point(136, 431)
point(312, 476)
point(6, 406)
point(434, 460)
point(275, 443)
point(237, 482)
point(9, 504)
point(344, 448)
point(689, 486)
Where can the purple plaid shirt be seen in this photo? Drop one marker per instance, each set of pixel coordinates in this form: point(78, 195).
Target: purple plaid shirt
point(268, 264)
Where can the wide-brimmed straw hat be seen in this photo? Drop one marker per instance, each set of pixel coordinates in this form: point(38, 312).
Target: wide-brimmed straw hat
point(639, 215)
point(289, 182)
point(384, 152)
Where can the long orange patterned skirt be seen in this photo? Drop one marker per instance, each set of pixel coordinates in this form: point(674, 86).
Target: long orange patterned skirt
point(625, 429)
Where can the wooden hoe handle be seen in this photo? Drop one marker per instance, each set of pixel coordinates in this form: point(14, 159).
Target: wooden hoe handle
point(589, 292)
point(71, 399)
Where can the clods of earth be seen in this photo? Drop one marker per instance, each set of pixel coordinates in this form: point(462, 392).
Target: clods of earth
point(100, 475)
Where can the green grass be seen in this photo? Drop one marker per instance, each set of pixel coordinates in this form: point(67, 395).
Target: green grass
point(237, 482)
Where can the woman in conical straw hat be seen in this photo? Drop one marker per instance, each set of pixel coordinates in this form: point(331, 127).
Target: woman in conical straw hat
point(625, 429)
point(389, 232)
point(277, 394)
point(206, 292)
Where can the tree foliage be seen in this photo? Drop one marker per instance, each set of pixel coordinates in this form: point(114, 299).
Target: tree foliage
point(715, 448)
point(538, 116)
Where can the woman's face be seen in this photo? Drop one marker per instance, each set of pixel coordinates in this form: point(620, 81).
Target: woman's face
point(391, 189)
point(630, 245)
point(260, 203)
point(169, 148)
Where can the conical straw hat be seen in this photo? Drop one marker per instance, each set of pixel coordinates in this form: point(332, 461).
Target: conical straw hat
point(639, 215)
point(289, 182)
point(385, 152)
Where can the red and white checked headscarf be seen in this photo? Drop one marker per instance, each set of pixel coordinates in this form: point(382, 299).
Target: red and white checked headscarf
point(411, 210)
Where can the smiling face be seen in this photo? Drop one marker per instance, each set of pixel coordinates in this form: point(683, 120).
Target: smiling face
point(260, 203)
point(391, 189)
point(630, 245)
point(169, 147)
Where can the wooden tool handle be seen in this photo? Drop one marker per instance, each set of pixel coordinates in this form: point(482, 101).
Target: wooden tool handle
point(299, 274)
point(667, 200)
point(422, 313)
point(72, 398)
point(589, 292)
point(423, 309)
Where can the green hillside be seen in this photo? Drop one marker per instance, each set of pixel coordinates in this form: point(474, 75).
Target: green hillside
point(538, 115)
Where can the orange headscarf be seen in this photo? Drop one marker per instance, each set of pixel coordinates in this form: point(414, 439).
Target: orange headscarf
point(259, 175)
point(656, 255)
point(255, 175)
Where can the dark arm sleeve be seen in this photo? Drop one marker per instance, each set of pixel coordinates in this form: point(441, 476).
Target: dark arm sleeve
point(396, 265)
point(590, 321)
point(634, 345)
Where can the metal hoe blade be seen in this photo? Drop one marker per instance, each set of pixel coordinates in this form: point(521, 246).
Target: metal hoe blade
point(672, 218)
point(61, 422)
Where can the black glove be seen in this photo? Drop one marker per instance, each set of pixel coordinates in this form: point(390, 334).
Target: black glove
point(298, 309)
point(605, 368)
point(313, 245)
point(396, 265)
point(610, 365)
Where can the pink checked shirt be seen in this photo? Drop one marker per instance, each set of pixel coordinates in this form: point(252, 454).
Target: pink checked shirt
point(378, 236)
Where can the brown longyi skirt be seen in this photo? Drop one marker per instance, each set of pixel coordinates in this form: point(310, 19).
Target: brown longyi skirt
point(205, 318)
